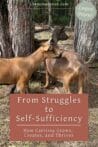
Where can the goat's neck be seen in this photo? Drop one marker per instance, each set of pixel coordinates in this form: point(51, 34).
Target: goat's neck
point(37, 56)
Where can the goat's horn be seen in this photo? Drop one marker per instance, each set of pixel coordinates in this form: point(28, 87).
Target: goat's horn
point(49, 41)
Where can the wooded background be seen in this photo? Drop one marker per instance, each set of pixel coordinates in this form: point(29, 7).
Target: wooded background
point(18, 18)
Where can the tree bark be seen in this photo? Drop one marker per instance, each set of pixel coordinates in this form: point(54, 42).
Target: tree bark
point(20, 26)
point(85, 36)
point(5, 43)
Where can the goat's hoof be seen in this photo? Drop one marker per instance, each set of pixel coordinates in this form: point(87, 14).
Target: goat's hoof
point(80, 92)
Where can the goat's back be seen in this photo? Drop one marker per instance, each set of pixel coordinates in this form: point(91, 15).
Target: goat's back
point(69, 62)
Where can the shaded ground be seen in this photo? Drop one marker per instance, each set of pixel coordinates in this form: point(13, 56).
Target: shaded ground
point(36, 87)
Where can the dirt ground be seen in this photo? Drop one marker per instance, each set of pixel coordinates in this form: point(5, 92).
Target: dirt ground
point(36, 87)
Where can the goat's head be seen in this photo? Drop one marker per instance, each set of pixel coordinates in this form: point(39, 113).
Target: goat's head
point(50, 49)
point(59, 34)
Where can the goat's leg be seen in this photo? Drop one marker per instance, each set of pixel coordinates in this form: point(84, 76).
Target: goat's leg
point(67, 79)
point(66, 85)
point(80, 84)
point(67, 89)
point(47, 80)
point(21, 86)
point(46, 77)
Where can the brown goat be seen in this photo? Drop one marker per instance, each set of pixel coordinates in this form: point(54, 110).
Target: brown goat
point(67, 68)
point(18, 70)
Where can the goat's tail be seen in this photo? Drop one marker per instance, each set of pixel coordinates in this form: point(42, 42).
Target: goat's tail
point(91, 58)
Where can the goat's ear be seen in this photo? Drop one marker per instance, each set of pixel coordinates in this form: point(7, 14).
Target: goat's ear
point(62, 28)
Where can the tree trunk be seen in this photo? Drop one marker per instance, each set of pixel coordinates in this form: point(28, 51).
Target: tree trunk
point(85, 36)
point(5, 44)
point(96, 32)
point(20, 24)
point(71, 17)
point(49, 13)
